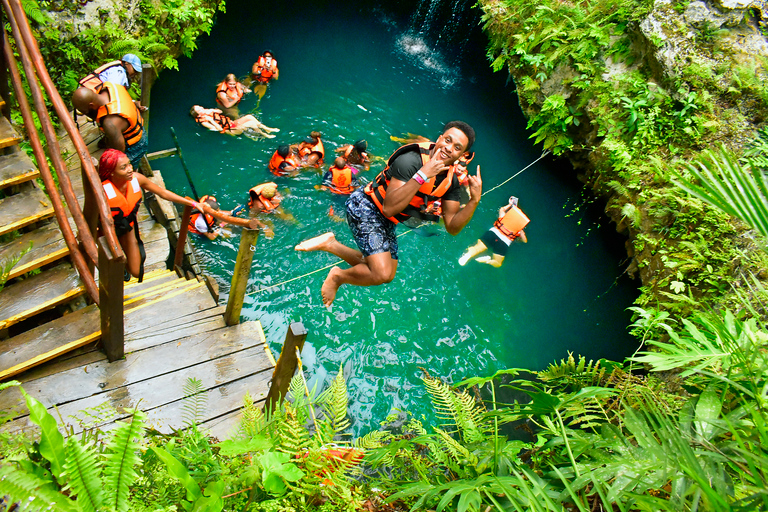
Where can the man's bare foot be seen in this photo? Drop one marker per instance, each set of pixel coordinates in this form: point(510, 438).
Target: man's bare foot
point(330, 286)
point(317, 243)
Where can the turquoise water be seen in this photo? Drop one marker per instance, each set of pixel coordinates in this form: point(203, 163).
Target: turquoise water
point(353, 71)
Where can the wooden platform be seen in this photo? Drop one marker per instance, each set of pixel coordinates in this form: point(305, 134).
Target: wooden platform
point(23, 209)
point(165, 345)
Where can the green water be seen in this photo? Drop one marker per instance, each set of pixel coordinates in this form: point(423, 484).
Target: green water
point(350, 71)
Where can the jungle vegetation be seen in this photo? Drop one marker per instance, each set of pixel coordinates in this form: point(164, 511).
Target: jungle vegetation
point(679, 426)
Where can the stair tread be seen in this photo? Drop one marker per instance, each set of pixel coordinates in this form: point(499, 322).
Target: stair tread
point(48, 245)
point(36, 294)
point(16, 168)
point(8, 135)
point(22, 209)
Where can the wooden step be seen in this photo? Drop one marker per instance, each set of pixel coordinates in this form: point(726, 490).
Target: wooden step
point(16, 168)
point(23, 209)
point(8, 136)
point(47, 246)
point(39, 293)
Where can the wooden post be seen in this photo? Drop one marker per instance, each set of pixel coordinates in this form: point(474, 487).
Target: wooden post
point(111, 302)
point(286, 365)
point(90, 212)
point(182, 240)
point(5, 90)
point(240, 276)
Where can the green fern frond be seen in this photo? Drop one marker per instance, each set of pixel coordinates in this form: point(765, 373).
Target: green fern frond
point(252, 418)
point(33, 12)
point(292, 436)
point(82, 469)
point(374, 439)
point(456, 450)
point(458, 407)
point(195, 401)
point(570, 373)
point(336, 405)
point(442, 397)
point(121, 457)
point(296, 387)
point(34, 492)
point(122, 46)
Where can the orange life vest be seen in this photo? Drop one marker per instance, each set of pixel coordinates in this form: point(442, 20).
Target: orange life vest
point(428, 193)
point(264, 72)
point(209, 220)
point(277, 160)
point(512, 223)
point(92, 80)
point(121, 104)
point(269, 205)
point(341, 180)
point(317, 148)
point(238, 93)
point(209, 116)
point(123, 208)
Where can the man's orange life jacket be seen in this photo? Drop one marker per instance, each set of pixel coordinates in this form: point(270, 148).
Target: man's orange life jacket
point(428, 193)
point(264, 70)
point(121, 104)
point(512, 223)
point(317, 148)
point(341, 180)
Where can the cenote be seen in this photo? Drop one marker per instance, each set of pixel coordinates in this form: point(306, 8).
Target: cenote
point(353, 70)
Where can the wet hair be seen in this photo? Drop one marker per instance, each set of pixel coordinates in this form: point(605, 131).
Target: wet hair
point(464, 128)
point(108, 163)
point(315, 135)
point(361, 146)
point(229, 77)
point(192, 111)
point(284, 150)
point(212, 203)
point(268, 52)
point(340, 162)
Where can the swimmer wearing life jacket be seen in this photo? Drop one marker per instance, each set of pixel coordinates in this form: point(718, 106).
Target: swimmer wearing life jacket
point(507, 229)
point(228, 95)
point(264, 70)
point(311, 150)
point(264, 198)
point(416, 175)
point(340, 177)
point(202, 223)
point(284, 162)
point(215, 120)
point(356, 154)
point(122, 188)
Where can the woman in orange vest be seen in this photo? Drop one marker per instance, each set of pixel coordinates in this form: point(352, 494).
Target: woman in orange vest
point(312, 151)
point(228, 95)
point(340, 177)
point(263, 71)
point(123, 190)
point(507, 228)
point(215, 120)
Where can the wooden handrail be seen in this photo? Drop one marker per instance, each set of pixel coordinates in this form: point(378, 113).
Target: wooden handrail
point(23, 32)
point(45, 173)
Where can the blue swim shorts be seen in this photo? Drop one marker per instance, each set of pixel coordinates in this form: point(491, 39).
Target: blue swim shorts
point(135, 151)
point(373, 232)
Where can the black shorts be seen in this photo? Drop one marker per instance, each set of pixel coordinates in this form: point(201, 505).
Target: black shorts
point(494, 243)
point(373, 232)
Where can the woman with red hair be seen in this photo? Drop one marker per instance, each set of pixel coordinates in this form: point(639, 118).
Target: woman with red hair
point(123, 190)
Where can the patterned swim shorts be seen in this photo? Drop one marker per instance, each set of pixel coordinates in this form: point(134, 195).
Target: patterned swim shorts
point(373, 232)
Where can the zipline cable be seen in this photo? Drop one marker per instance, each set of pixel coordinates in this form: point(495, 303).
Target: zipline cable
point(544, 154)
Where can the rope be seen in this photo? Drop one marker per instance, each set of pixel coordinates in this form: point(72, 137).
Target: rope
point(544, 154)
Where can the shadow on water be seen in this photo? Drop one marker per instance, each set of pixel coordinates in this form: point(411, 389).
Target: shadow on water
point(356, 70)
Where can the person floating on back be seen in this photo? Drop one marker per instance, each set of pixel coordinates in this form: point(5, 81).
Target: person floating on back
point(340, 177)
point(228, 95)
point(507, 228)
point(356, 154)
point(311, 150)
point(284, 162)
point(416, 175)
point(215, 120)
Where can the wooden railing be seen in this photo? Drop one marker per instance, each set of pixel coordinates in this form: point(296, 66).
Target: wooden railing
point(82, 248)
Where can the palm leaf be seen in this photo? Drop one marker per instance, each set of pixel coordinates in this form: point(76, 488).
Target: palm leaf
point(120, 458)
point(82, 472)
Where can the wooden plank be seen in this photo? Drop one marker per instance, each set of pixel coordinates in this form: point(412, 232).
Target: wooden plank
point(16, 168)
point(196, 299)
point(47, 356)
point(103, 377)
point(38, 293)
point(189, 329)
point(83, 323)
point(173, 323)
point(80, 358)
point(8, 136)
point(23, 209)
point(226, 380)
point(161, 154)
point(47, 243)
